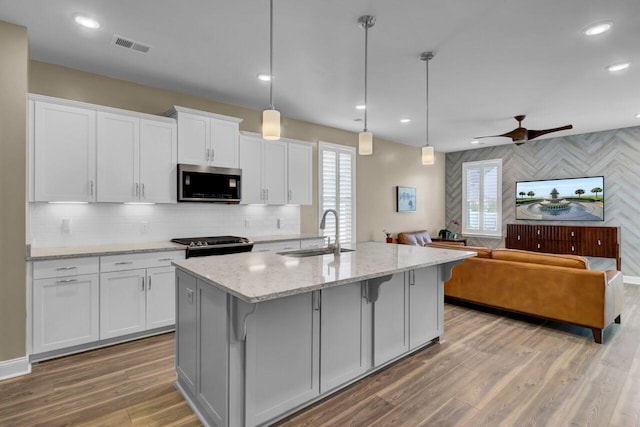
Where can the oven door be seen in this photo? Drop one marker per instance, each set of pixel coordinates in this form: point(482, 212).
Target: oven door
point(208, 184)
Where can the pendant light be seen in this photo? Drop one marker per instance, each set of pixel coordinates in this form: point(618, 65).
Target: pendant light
point(365, 138)
point(428, 155)
point(271, 116)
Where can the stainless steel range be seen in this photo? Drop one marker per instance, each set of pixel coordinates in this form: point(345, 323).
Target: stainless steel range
point(215, 245)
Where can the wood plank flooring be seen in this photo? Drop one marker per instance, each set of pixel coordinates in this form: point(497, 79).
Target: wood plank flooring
point(493, 369)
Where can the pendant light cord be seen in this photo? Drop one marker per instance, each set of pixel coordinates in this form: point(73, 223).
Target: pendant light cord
point(366, 57)
point(271, 55)
point(427, 102)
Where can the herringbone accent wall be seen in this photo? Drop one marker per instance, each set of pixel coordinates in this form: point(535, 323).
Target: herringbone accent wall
point(614, 154)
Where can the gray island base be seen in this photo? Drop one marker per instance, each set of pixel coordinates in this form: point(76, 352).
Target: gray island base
point(262, 335)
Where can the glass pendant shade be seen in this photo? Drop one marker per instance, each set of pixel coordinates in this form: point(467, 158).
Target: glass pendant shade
point(365, 143)
point(428, 155)
point(271, 125)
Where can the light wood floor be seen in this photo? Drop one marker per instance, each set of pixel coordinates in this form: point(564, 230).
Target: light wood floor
point(492, 369)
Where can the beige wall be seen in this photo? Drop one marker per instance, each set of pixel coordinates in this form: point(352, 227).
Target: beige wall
point(13, 89)
point(392, 164)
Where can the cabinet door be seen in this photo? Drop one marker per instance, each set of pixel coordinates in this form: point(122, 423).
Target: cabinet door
point(65, 153)
point(186, 332)
point(345, 335)
point(224, 143)
point(424, 310)
point(118, 158)
point(122, 303)
point(158, 160)
point(161, 297)
point(275, 172)
point(193, 139)
point(282, 351)
point(299, 179)
point(390, 328)
point(65, 312)
point(251, 165)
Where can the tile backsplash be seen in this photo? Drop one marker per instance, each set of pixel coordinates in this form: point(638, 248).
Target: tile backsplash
point(103, 223)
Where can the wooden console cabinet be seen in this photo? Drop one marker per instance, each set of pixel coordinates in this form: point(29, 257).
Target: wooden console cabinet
point(601, 242)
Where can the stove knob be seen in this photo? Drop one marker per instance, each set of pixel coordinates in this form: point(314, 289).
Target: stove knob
point(205, 244)
point(198, 243)
point(191, 244)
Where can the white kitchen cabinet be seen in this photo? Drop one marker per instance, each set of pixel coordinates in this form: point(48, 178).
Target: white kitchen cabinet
point(137, 292)
point(345, 335)
point(424, 307)
point(65, 311)
point(64, 152)
point(137, 159)
point(282, 357)
point(299, 170)
point(122, 303)
point(264, 170)
point(390, 327)
point(206, 138)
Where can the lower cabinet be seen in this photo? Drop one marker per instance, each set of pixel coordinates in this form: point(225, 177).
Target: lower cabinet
point(425, 309)
point(345, 335)
point(65, 312)
point(186, 330)
point(390, 325)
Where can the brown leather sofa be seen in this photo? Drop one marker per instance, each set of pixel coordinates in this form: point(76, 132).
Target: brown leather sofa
point(556, 287)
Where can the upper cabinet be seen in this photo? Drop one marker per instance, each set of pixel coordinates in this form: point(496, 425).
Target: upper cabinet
point(264, 170)
point(299, 180)
point(137, 159)
point(63, 154)
point(86, 153)
point(206, 138)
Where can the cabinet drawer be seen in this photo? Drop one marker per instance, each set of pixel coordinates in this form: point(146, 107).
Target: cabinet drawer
point(135, 261)
point(65, 267)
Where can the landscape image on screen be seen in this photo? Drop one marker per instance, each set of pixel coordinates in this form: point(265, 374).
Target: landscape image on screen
point(572, 199)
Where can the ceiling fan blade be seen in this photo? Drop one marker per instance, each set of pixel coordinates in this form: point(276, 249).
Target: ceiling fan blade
point(511, 134)
point(531, 134)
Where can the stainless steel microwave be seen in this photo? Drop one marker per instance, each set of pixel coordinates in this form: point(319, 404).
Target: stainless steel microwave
point(208, 184)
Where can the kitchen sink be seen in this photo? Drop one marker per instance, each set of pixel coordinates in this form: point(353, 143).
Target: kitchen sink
point(312, 252)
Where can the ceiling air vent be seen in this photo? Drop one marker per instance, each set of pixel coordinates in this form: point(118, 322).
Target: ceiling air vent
point(130, 44)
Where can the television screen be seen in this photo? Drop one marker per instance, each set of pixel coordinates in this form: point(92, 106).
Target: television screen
point(571, 199)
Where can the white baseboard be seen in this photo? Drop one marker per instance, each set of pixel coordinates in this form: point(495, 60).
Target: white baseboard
point(631, 280)
point(14, 368)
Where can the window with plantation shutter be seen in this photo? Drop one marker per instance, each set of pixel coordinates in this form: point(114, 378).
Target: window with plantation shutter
point(336, 182)
point(482, 198)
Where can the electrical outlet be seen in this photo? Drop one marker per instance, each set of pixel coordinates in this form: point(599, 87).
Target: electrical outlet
point(278, 223)
point(66, 225)
point(144, 227)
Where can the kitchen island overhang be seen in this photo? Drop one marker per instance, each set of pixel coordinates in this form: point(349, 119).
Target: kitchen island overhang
point(250, 326)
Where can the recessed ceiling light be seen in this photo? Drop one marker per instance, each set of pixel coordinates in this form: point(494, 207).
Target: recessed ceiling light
point(475, 141)
point(361, 107)
point(598, 28)
point(264, 77)
point(86, 21)
point(405, 120)
point(638, 116)
point(618, 67)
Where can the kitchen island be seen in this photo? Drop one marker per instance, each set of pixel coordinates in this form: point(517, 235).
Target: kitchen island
point(261, 335)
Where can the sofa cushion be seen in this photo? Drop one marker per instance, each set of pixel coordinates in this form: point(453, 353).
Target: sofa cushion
point(419, 238)
point(482, 251)
point(571, 261)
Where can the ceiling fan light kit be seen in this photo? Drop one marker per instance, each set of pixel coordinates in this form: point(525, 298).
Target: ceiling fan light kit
point(271, 117)
point(428, 154)
point(365, 138)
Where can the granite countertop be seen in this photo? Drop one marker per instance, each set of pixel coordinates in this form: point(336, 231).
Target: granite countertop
point(39, 254)
point(261, 276)
point(284, 238)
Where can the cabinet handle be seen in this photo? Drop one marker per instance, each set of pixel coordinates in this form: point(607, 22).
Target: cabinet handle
point(67, 281)
point(599, 243)
point(137, 189)
point(290, 197)
point(142, 287)
point(572, 234)
point(315, 297)
point(142, 189)
point(412, 277)
point(264, 194)
point(267, 198)
point(149, 283)
point(518, 237)
point(213, 154)
point(124, 262)
point(572, 249)
point(538, 232)
point(538, 245)
point(66, 268)
point(208, 155)
point(91, 187)
point(166, 259)
point(365, 290)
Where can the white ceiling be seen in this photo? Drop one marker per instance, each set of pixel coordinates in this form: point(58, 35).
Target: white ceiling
point(494, 59)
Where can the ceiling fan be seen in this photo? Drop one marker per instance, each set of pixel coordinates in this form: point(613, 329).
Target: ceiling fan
point(521, 135)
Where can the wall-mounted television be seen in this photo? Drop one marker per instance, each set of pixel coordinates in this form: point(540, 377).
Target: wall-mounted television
point(569, 199)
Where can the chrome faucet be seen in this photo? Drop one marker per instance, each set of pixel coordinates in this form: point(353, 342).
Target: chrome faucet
point(336, 246)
